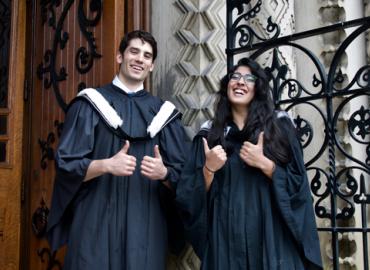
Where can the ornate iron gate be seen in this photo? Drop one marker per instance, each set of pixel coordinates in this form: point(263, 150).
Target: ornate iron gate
point(340, 189)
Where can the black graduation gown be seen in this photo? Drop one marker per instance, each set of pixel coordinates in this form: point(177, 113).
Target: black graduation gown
point(112, 222)
point(247, 221)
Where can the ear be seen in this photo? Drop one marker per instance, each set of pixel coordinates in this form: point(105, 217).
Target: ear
point(119, 58)
point(151, 67)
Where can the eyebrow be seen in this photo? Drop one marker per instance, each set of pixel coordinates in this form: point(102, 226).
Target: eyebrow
point(138, 49)
point(246, 74)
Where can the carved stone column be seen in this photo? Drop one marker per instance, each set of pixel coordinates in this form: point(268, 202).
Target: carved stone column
point(355, 59)
point(191, 60)
point(191, 36)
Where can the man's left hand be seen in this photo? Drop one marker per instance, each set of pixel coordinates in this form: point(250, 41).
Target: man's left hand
point(153, 167)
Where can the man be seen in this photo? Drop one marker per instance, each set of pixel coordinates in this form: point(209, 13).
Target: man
point(119, 149)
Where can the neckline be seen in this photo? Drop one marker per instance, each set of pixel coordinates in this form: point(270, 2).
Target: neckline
point(139, 93)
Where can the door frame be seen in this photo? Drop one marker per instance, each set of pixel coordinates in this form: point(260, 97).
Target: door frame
point(11, 172)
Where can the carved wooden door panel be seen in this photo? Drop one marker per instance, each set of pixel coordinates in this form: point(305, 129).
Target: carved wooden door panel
point(73, 44)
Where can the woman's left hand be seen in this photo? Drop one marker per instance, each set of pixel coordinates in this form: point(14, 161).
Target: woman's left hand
point(252, 154)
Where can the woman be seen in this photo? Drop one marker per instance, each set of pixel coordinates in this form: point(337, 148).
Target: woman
point(244, 195)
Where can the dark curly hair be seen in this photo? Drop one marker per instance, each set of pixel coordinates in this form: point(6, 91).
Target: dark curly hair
point(261, 116)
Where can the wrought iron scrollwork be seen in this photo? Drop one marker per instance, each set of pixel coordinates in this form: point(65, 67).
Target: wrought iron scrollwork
point(362, 197)
point(320, 177)
point(359, 124)
point(358, 128)
point(84, 57)
point(40, 219)
point(52, 262)
point(277, 73)
point(81, 86)
point(351, 191)
point(54, 77)
point(345, 191)
point(47, 70)
point(241, 25)
point(59, 127)
point(293, 88)
point(47, 152)
point(48, 12)
point(304, 130)
point(338, 175)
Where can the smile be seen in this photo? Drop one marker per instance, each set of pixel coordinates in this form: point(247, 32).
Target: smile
point(240, 92)
point(138, 68)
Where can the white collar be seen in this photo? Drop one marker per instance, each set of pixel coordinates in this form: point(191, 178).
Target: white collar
point(108, 113)
point(117, 82)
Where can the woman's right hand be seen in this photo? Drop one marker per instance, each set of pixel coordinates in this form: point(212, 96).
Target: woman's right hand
point(215, 157)
point(215, 160)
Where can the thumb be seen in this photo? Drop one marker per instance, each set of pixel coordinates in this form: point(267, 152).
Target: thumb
point(126, 146)
point(205, 144)
point(260, 139)
point(157, 154)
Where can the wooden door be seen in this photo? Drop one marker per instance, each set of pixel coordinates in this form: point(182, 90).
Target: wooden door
point(12, 44)
point(72, 45)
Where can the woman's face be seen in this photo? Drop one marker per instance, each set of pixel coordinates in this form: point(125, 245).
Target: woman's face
point(241, 87)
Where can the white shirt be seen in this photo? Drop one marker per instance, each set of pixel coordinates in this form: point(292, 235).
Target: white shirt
point(117, 82)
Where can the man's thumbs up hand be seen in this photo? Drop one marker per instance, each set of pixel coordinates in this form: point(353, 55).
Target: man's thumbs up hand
point(122, 164)
point(153, 167)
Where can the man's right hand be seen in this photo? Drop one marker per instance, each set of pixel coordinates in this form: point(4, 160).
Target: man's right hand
point(122, 164)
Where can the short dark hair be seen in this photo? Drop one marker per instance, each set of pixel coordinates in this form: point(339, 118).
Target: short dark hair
point(144, 36)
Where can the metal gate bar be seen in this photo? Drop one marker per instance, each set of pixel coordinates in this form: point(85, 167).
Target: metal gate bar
point(238, 25)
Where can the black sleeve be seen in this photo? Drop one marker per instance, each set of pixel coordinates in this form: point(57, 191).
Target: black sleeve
point(191, 198)
point(72, 161)
point(173, 149)
point(293, 197)
point(173, 146)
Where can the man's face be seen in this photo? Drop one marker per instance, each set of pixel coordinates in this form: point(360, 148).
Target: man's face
point(136, 62)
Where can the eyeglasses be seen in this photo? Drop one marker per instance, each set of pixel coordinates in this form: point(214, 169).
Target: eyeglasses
point(248, 78)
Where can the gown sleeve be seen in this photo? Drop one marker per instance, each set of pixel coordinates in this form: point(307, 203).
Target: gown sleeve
point(72, 161)
point(173, 147)
point(293, 197)
point(191, 198)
